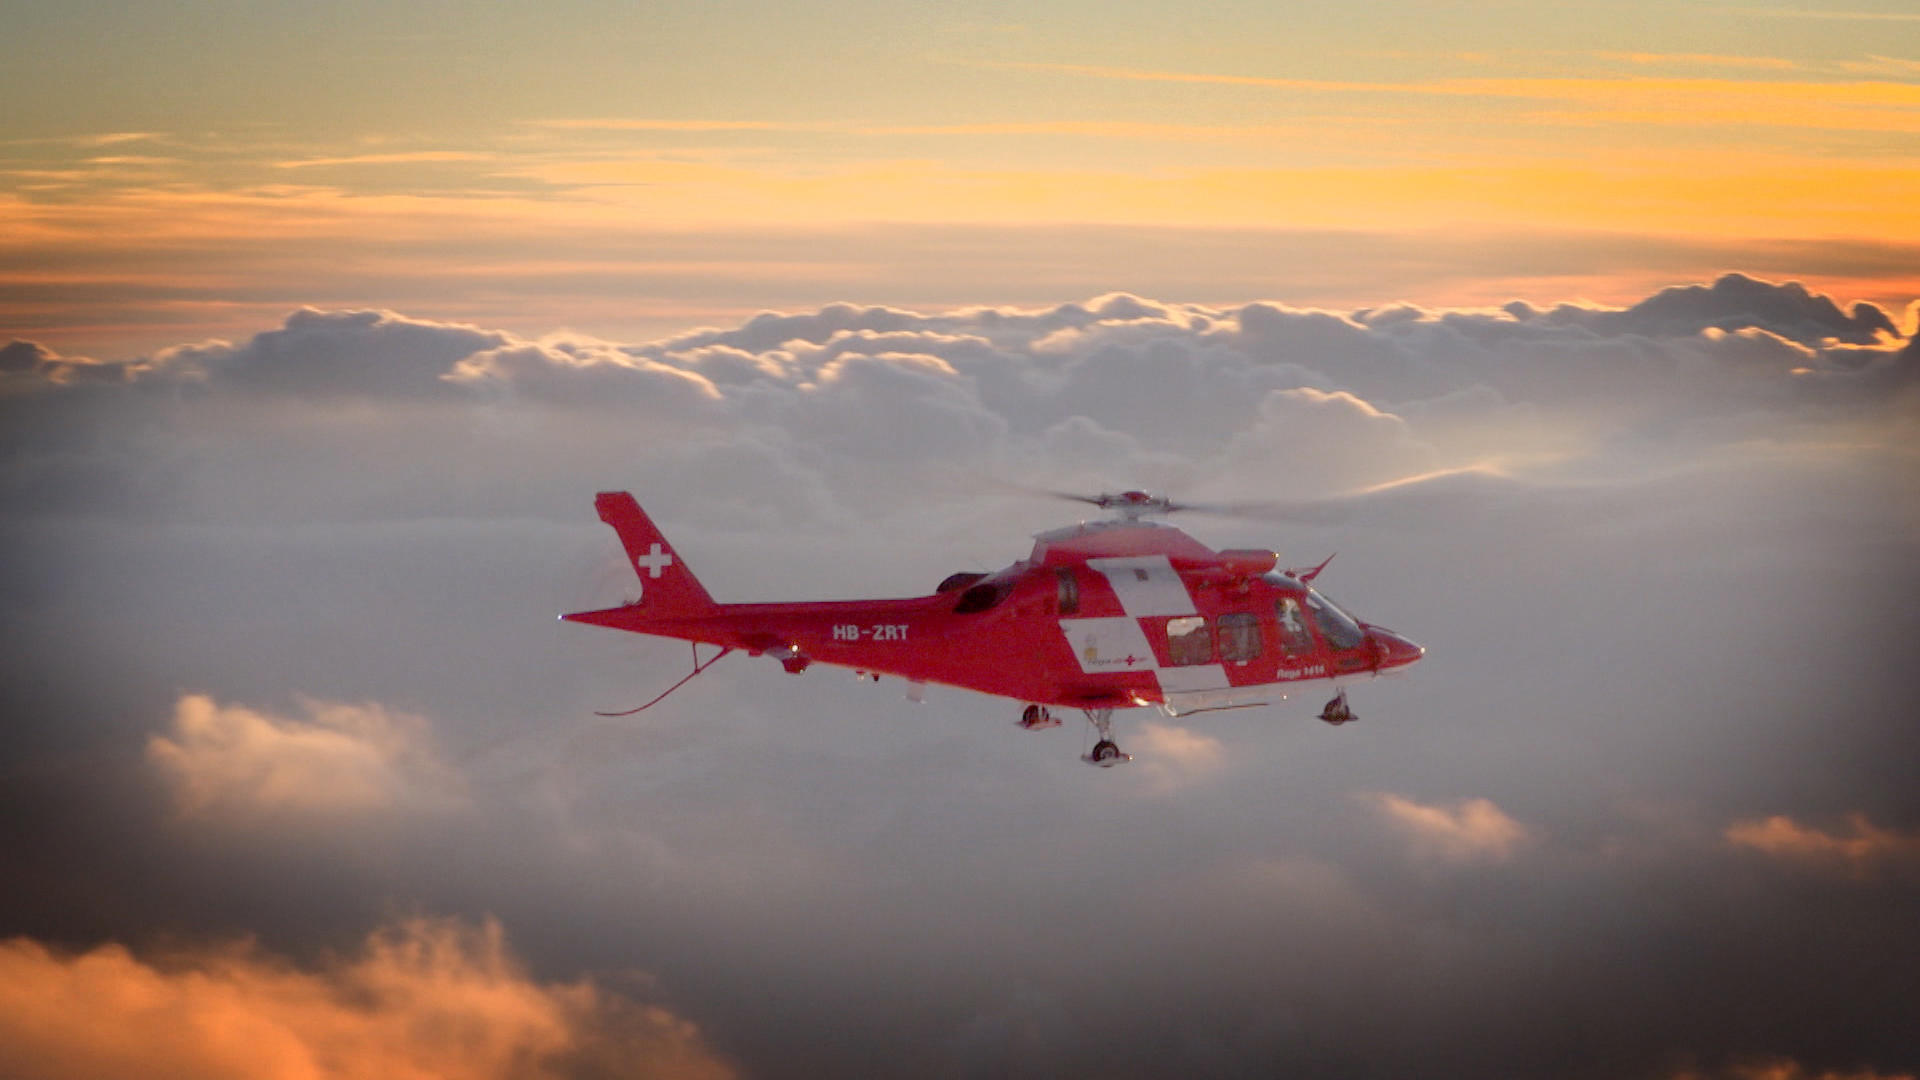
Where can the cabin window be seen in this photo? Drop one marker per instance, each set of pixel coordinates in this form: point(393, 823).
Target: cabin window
point(1188, 641)
point(1239, 637)
point(1069, 591)
point(1335, 625)
point(1295, 639)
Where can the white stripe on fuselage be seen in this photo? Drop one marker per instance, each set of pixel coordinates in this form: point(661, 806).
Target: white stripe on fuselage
point(1105, 646)
point(1146, 586)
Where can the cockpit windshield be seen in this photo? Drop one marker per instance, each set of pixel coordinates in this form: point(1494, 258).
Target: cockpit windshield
point(1339, 628)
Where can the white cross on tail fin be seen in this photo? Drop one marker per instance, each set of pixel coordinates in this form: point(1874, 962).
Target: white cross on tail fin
point(669, 587)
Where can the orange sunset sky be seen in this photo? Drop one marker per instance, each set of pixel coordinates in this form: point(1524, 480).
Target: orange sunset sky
point(173, 171)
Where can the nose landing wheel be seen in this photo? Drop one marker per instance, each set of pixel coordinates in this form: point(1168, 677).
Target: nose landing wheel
point(1337, 712)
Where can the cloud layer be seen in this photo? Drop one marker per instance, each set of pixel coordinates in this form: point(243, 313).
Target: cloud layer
point(422, 998)
point(284, 662)
point(343, 759)
point(862, 398)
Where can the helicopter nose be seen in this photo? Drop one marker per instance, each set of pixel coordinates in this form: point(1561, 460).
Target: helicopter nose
point(1394, 651)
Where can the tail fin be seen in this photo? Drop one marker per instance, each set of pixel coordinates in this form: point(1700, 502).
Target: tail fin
point(668, 587)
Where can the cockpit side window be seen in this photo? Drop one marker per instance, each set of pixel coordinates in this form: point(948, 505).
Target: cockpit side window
point(1335, 625)
point(1188, 641)
point(1295, 638)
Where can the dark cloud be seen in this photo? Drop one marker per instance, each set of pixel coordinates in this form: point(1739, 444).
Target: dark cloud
point(283, 661)
point(23, 356)
point(33, 362)
point(1736, 302)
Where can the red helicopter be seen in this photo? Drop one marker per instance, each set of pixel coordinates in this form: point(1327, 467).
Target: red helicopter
point(1104, 615)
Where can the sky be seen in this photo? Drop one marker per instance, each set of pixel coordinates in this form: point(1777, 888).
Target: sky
point(173, 171)
point(1592, 331)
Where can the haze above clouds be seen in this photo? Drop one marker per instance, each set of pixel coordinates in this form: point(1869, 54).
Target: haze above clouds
point(297, 746)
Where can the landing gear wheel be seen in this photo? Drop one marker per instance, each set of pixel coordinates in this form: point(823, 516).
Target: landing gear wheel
point(1104, 753)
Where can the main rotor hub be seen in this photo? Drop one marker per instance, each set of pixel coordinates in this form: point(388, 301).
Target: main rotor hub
point(1134, 505)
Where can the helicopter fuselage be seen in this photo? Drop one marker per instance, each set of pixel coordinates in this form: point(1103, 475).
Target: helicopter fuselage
point(1100, 615)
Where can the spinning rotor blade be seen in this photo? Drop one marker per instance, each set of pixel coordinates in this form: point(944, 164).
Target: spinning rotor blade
point(1295, 511)
point(1475, 488)
point(1104, 500)
point(1095, 500)
point(1135, 504)
point(1471, 490)
point(1130, 503)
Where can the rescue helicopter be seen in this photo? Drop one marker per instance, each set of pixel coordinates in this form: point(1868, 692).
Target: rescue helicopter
point(1116, 613)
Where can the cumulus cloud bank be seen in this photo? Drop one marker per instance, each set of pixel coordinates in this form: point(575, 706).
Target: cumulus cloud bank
point(1661, 555)
point(421, 998)
point(800, 418)
point(228, 760)
point(1862, 844)
point(1467, 831)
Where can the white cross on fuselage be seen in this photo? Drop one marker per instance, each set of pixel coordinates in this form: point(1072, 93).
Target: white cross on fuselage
point(653, 561)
